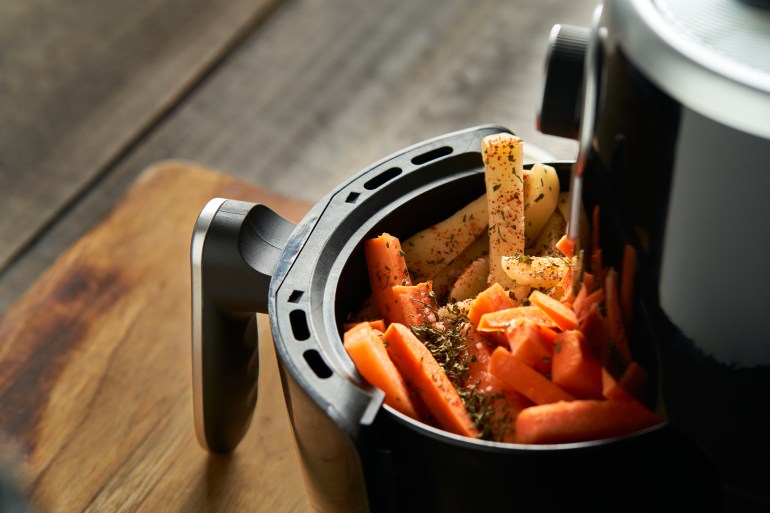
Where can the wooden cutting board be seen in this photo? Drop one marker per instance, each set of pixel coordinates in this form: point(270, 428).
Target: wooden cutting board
point(95, 370)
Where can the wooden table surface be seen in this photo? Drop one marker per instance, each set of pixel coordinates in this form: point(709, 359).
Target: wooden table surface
point(279, 99)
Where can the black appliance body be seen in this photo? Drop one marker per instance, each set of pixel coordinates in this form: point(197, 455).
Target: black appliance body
point(670, 100)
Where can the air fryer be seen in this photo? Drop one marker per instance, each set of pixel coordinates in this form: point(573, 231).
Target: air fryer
point(357, 454)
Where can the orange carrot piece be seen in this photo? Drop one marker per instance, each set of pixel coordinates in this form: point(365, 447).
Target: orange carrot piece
point(579, 301)
point(547, 334)
point(615, 316)
point(566, 246)
point(507, 402)
point(526, 343)
point(561, 314)
point(365, 347)
point(589, 282)
point(492, 299)
point(533, 385)
point(415, 362)
point(583, 306)
point(627, 270)
point(387, 267)
point(611, 389)
point(479, 355)
point(377, 324)
point(415, 304)
point(594, 327)
point(597, 264)
point(634, 379)
point(575, 369)
point(502, 319)
point(582, 420)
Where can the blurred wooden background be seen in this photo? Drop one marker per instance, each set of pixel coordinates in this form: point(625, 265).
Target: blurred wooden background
point(293, 95)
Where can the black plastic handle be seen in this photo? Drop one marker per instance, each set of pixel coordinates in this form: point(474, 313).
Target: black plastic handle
point(235, 248)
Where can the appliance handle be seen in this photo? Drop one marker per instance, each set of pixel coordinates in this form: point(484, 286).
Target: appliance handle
point(235, 248)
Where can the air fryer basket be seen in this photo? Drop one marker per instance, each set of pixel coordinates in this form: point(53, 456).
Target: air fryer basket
point(357, 453)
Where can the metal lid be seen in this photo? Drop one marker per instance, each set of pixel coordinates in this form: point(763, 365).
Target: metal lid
point(711, 55)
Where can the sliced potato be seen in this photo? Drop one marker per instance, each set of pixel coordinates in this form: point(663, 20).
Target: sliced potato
point(563, 204)
point(429, 251)
point(541, 195)
point(536, 272)
point(472, 281)
point(504, 177)
point(445, 278)
point(553, 230)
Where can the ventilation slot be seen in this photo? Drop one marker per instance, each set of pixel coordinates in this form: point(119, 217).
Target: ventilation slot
point(431, 155)
point(382, 178)
point(295, 296)
point(313, 358)
point(298, 323)
point(352, 197)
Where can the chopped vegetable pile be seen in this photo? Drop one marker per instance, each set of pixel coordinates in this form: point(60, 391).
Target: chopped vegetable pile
point(476, 326)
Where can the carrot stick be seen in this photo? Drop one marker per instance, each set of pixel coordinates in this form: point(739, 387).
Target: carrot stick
point(414, 305)
point(533, 385)
point(594, 327)
point(502, 319)
point(547, 334)
point(377, 324)
point(575, 369)
point(583, 305)
point(415, 362)
point(581, 420)
point(492, 299)
point(507, 402)
point(578, 302)
point(527, 343)
point(479, 355)
point(615, 316)
point(561, 314)
point(627, 268)
point(566, 246)
point(597, 264)
point(633, 379)
point(387, 267)
point(612, 390)
point(365, 347)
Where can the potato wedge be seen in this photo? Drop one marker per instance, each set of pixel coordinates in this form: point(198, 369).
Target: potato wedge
point(563, 204)
point(554, 229)
point(433, 248)
point(541, 196)
point(446, 277)
point(472, 281)
point(504, 177)
point(537, 272)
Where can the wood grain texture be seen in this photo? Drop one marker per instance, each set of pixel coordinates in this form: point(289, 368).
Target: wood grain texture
point(329, 86)
point(95, 380)
point(317, 91)
point(83, 81)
